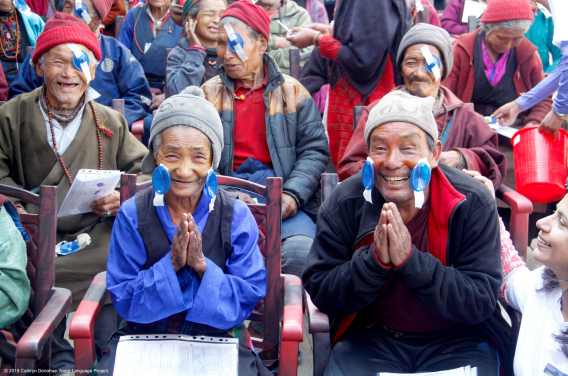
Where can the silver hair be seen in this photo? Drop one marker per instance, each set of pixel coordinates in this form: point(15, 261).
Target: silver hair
point(94, 62)
point(157, 141)
point(510, 25)
point(253, 34)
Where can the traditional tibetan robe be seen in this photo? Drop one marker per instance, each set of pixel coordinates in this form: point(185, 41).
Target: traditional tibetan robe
point(28, 161)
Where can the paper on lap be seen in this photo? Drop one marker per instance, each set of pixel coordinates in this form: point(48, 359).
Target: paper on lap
point(176, 355)
point(88, 186)
point(463, 371)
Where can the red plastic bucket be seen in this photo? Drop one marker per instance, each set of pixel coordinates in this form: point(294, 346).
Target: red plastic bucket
point(541, 164)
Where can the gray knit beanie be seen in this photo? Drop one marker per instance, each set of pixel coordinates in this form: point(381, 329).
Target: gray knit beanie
point(428, 34)
point(398, 106)
point(187, 108)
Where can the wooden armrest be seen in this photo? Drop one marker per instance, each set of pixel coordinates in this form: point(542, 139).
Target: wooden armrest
point(514, 199)
point(82, 328)
point(318, 322)
point(521, 207)
point(137, 129)
point(292, 325)
point(30, 346)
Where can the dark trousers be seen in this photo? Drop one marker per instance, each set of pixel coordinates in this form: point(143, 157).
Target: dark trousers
point(249, 363)
point(62, 353)
point(366, 351)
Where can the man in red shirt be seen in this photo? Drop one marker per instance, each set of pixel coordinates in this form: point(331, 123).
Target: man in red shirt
point(271, 124)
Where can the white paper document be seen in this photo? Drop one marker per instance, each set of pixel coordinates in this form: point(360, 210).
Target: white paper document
point(88, 186)
point(462, 371)
point(472, 8)
point(176, 355)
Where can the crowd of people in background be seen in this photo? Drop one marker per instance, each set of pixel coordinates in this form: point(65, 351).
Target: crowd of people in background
point(408, 256)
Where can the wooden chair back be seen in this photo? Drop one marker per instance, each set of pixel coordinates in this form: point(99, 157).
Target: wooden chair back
point(118, 22)
point(295, 58)
point(118, 105)
point(269, 220)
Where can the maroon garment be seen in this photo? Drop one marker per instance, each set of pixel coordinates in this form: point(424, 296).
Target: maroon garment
point(452, 18)
point(433, 17)
point(528, 74)
point(3, 86)
point(395, 307)
point(469, 134)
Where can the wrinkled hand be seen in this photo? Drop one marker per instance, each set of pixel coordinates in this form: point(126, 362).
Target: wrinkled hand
point(195, 258)
point(157, 100)
point(303, 38)
point(21, 209)
point(178, 253)
point(324, 29)
point(381, 238)
point(189, 27)
point(110, 202)
point(281, 43)
point(551, 123)
point(476, 175)
point(245, 197)
point(451, 158)
point(289, 206)
point(400, 242)
point(507, 114)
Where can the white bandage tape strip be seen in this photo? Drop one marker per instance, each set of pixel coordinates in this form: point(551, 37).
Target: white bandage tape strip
point(238, 49)
point(84, 66)
point(430, 60)
point(418, 5)
point(85, 15)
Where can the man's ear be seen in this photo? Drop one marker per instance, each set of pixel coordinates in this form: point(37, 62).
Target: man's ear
point(262, 44)
point(39, 70)
point(93, 70)
point(436, 154)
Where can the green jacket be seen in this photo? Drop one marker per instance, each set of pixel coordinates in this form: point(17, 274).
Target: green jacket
point(14, 284)
point(291, 15)
point(540, 34)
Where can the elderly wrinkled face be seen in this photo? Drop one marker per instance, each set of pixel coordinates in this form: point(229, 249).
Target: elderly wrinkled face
point(232, 64)
point(418, 80)
point(95, 19)
point(395, 149)
point(502, 40)
point(552, 249)
point(208, 20)
point(186, 152)
point(65, 84)
point(7, 6)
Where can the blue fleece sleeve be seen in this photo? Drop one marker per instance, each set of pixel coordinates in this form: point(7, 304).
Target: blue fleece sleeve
point(26, 80)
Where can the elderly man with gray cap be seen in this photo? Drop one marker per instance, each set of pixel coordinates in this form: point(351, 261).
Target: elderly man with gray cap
point(467, 140)
point(406, 258)
point(184, 257)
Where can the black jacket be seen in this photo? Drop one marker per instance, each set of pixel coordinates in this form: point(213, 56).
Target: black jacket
point(463, 231)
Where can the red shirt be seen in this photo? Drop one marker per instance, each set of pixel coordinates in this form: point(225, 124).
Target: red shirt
point(249, 132)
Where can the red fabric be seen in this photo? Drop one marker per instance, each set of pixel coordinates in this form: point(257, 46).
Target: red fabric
point(251, 14)
point(3, 86)
point(64, 28)
point(103, 7)
point(38, 6)
point(528, 74)
point(117, 9)
point(329, 48)
point(507, 10)
point(434, 19)
point(249, 131)
point(342, 99)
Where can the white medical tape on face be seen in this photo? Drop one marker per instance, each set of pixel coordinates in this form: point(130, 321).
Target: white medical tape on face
point(84, 66)
point(430, 61)
point(419, 195)
point(418, 5)
point(238, 48)
point(84, 15)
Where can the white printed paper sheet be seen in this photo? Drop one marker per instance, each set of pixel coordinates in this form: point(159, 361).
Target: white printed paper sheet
point(462, 371)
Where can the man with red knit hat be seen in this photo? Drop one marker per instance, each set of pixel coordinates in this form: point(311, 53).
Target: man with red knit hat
point(119, 74)
point(271, 124)
point(55, 131)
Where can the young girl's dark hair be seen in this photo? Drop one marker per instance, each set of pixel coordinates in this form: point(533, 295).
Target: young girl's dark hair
point(551, 283)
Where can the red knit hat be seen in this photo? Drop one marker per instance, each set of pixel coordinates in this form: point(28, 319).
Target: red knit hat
point(63, 28)
point(507, 10)
point(251, 14)
point(103, 7)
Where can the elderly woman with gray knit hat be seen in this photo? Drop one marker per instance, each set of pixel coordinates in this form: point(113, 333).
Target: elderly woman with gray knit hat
point(174, 265)
point(406, 258)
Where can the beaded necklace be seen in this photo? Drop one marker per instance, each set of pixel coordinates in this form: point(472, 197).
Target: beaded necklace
point(107, 131)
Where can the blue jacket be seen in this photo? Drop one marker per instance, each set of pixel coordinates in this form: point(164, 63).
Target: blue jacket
point(118, 76)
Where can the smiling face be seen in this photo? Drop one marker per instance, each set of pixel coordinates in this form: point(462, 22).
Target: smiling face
point(208, 17)
point(552, 249)
point(395, 149)
point(186, 152)
point(65, 84)
point(418, 80)
point(232, 64)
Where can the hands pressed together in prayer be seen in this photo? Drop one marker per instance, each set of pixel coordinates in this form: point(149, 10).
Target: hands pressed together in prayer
point(393, 243)
point(186, 247)
point(109, 204)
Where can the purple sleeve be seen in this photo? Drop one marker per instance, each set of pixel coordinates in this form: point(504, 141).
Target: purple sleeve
point(451, 19)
